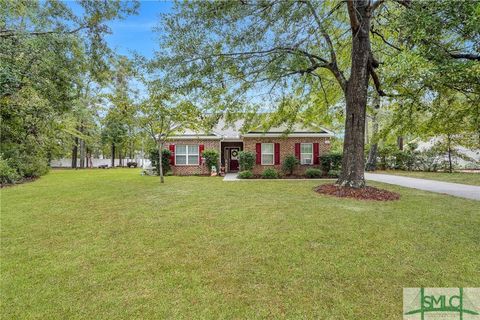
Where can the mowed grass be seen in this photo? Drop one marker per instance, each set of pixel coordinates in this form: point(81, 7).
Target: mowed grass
point(472, 178)
point(111, 244)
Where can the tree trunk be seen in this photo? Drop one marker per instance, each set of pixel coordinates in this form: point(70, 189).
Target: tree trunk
point(367, 140)
point(353, 162)
point(400, 143)
point(449, 146)
point(160, 164)
point(113, 155)
point(372, 158)
point(74, 154)
point(142, 158)
point(372, 154)
point(88, 158)
point(120, 160)
point(82, 153)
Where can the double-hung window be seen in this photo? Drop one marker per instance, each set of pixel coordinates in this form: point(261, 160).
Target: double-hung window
point(306, 153)
point(267, 154)
point(186, 155)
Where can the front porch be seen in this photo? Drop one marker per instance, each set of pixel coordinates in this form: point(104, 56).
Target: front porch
point(229, 155)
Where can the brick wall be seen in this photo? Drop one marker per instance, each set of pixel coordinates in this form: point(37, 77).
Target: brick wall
point(287, 146)
point(185, 170)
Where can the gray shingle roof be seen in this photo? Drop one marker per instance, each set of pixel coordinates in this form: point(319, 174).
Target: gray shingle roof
point(232, 131)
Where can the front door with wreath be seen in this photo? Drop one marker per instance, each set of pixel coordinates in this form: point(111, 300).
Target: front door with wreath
point(234, 159)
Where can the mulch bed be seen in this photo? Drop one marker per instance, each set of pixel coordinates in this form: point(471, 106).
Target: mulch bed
point(366, 193)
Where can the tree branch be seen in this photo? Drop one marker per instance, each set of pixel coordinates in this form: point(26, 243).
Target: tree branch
point(376, 81)
point(272, 50)
point(376, 4)
point(468, 56)
point(354, 23)
point(10, 32)
point(310, 70)
point(333, 66)
point(385, 40)
point(405, 3)
point(325, 35)
point(373, 62)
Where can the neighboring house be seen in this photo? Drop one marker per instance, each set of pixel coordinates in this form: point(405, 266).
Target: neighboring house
point(463, 158)
point(270, 147)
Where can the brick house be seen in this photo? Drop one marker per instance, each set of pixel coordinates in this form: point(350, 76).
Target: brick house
point(270, 148)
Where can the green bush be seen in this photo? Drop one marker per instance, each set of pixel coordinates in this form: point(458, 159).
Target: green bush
point(331, 161)
point(384, 156)
point(132, 164)
point(33, 166)
point(23, 161)
point(211, 159)
point(165, 160)
point(247, 174)
point(334, 173)
point(246, 160)
point(408, 159)
point(30, 158)
point(404, 159)
point(7, 173)
point(289, 164)
point(270, 173)
point(313, 173)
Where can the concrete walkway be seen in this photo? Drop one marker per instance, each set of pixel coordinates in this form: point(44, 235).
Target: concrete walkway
point(454, 189)
point(230, 177)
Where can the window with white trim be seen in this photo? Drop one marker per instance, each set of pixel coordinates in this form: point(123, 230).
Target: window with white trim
point(268, 153)
point(306, 153)
point(187, 154)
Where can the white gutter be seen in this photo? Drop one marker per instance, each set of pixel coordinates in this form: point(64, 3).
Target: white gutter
point(193, 137)
point(289, 135)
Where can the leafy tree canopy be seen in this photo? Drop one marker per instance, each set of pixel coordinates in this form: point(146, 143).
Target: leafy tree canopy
point(49, 57)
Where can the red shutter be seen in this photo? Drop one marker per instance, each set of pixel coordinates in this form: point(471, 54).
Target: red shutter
point(200, 153)
point(277, 153)
point(258, 148)
point(315, 154)
point(172, 154)
point(297, 151)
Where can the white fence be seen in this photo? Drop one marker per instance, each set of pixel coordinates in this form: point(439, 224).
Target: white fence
point(67, 163)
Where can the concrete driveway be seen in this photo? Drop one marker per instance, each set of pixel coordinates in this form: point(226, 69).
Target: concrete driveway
point(454, 189)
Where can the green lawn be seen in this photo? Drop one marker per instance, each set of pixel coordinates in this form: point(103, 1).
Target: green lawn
point(456, 177)
point(111, 244)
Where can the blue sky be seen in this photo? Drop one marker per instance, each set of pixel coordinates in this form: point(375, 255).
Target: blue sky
point(135, 32)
